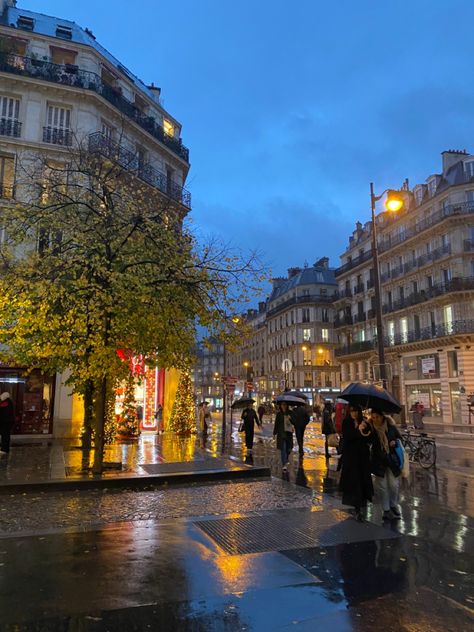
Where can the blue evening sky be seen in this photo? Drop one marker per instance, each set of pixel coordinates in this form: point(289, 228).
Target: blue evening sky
point(290, 109)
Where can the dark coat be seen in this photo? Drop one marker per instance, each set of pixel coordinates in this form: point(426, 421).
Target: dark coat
point(356, 481)
point(380, 460)
point(249, 418)
point(280, 432)
point(7, 413)
point(327, 426)
point(300, 417)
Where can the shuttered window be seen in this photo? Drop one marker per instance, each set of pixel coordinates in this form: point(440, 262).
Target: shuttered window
point(9, 113)
point(58, 123)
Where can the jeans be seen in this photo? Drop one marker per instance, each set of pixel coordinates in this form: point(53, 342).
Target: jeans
point(388, 489)
point(285, 451)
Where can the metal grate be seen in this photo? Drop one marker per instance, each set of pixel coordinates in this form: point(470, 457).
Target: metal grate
point(292, 529)
point(191, 466)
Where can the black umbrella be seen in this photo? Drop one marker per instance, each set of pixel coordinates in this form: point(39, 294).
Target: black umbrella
point(243, 402)
point(370, 396)
point(296, 393)
point(293, 400)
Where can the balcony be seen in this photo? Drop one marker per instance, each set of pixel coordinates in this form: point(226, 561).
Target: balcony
point(57, 136)
point(443, 330)
point(360, 318)
point(419, 262)
point(127, 159)
point(455, 285)
point(10, 128)
point(371, 314)
point(298, 300)
point(468, 245)
point(366, 256)
point(370, 284)
point(72, 76)
point(342, 321)
point(452, 210)
point(359, 288)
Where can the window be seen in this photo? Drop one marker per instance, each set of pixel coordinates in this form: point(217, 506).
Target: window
point(305, 292)
point(25, 23)
point(404, 330)
point(469, 169)
point(107, 131)
point(448, 319)
point(9, 112)
point(305, 314)
point(453, 364)
point(469, 196)
point(64, 32)
point(325, 334)
point(168, 127)
point(306, 335)
point(7, 177)
point(444, 241)
point(391, 332)
point(58, 123)
point(416, 324)
point(324, 315)
point(446, 276)
point(429, 282)
point(414, 286)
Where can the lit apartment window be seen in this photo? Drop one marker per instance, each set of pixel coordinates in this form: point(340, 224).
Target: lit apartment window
point(168, 127)
point(9, 113)
point(325, 334)
point(404, 329)
point(391, 332)
point(58, 126)
point(7, 177)
point(306, 334)
point(448, 319)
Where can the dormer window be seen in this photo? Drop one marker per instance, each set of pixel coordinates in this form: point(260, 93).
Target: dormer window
point(25, 23)
point(168, 127)
point(418, 195)
point(432, 184)
point(469, 169)
point(64, 32)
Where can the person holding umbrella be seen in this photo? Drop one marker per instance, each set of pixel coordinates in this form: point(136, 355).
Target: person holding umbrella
point(356, 480)
point(249, 419)
point(283, 431)
point(385, 464)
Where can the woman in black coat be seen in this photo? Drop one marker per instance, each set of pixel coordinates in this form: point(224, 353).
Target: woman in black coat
point(283, 430)
point(356, 480)
point(7, 420)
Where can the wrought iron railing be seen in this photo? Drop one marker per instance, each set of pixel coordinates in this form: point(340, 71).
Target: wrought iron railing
point(70, 75)
point(298, 300)
point(57, 136)
point(129, 160)
point(342, 321)
point(441, 330)
point(455, 285)
point(8, 127)
point(359, 288)
point(419, 262)
point(357, 261)
point(468, 245)
point(451, 210)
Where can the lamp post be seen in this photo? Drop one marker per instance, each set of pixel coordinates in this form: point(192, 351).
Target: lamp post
point(304, 348)
point(393, 203)
point(235, 320)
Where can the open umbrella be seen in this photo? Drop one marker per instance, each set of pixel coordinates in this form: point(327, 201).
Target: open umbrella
point(370, 396)
point(290, 399)
point(296, 393)
point(243, 402)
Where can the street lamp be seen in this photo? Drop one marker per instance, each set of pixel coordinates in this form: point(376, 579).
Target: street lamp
point(304, 349)
point(394, 202)
point(235, 321)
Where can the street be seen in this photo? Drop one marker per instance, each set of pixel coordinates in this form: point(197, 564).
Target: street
point(254, 555)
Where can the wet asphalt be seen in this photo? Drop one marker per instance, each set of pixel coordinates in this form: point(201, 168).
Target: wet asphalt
point(151, 560)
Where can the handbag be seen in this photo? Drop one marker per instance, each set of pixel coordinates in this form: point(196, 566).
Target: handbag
point(241, 427)
point(333, 440)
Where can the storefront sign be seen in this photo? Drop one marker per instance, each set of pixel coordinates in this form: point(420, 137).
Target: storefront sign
point(428, 365)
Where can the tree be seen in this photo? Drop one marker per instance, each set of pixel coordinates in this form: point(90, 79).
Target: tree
point(183, 414)
point(128, 424)
point(97, 259)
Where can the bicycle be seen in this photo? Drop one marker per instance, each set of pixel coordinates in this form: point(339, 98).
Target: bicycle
point(421, 448)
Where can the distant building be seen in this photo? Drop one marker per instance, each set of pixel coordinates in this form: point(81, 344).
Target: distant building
point(295, 325)
point(426, 254)
point(208, 371)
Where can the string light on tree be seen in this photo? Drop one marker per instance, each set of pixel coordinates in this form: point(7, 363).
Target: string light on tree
point(182, 420)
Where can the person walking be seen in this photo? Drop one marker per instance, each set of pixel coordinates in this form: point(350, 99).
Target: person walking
point(356, 480)
point(7, 420)
point(261, 412)
point(385, 464)
point(204, 417)
point(300, 419)
point(159, 419)
point(249, 419)
point(418, 411)
point(327, 426)
point(283, 431)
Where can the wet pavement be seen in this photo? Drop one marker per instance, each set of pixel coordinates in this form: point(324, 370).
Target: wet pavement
point(256, 555)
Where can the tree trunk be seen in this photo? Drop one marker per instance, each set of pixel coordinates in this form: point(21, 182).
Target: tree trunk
point(88, 415)
point(100, 415)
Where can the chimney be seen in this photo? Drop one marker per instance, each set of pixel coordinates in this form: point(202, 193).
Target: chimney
point(451, 157)
point(292, 272)
point(358, 227)
point(155, 90)
point(278, 282)
point(4, 4)
point(322, 263)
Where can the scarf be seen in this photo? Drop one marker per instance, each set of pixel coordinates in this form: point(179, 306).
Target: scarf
point(382, 435)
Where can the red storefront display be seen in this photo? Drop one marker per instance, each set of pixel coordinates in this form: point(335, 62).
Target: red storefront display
point(149, 393)
point(33, 398)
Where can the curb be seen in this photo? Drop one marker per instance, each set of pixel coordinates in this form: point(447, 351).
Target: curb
point(135, 482)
